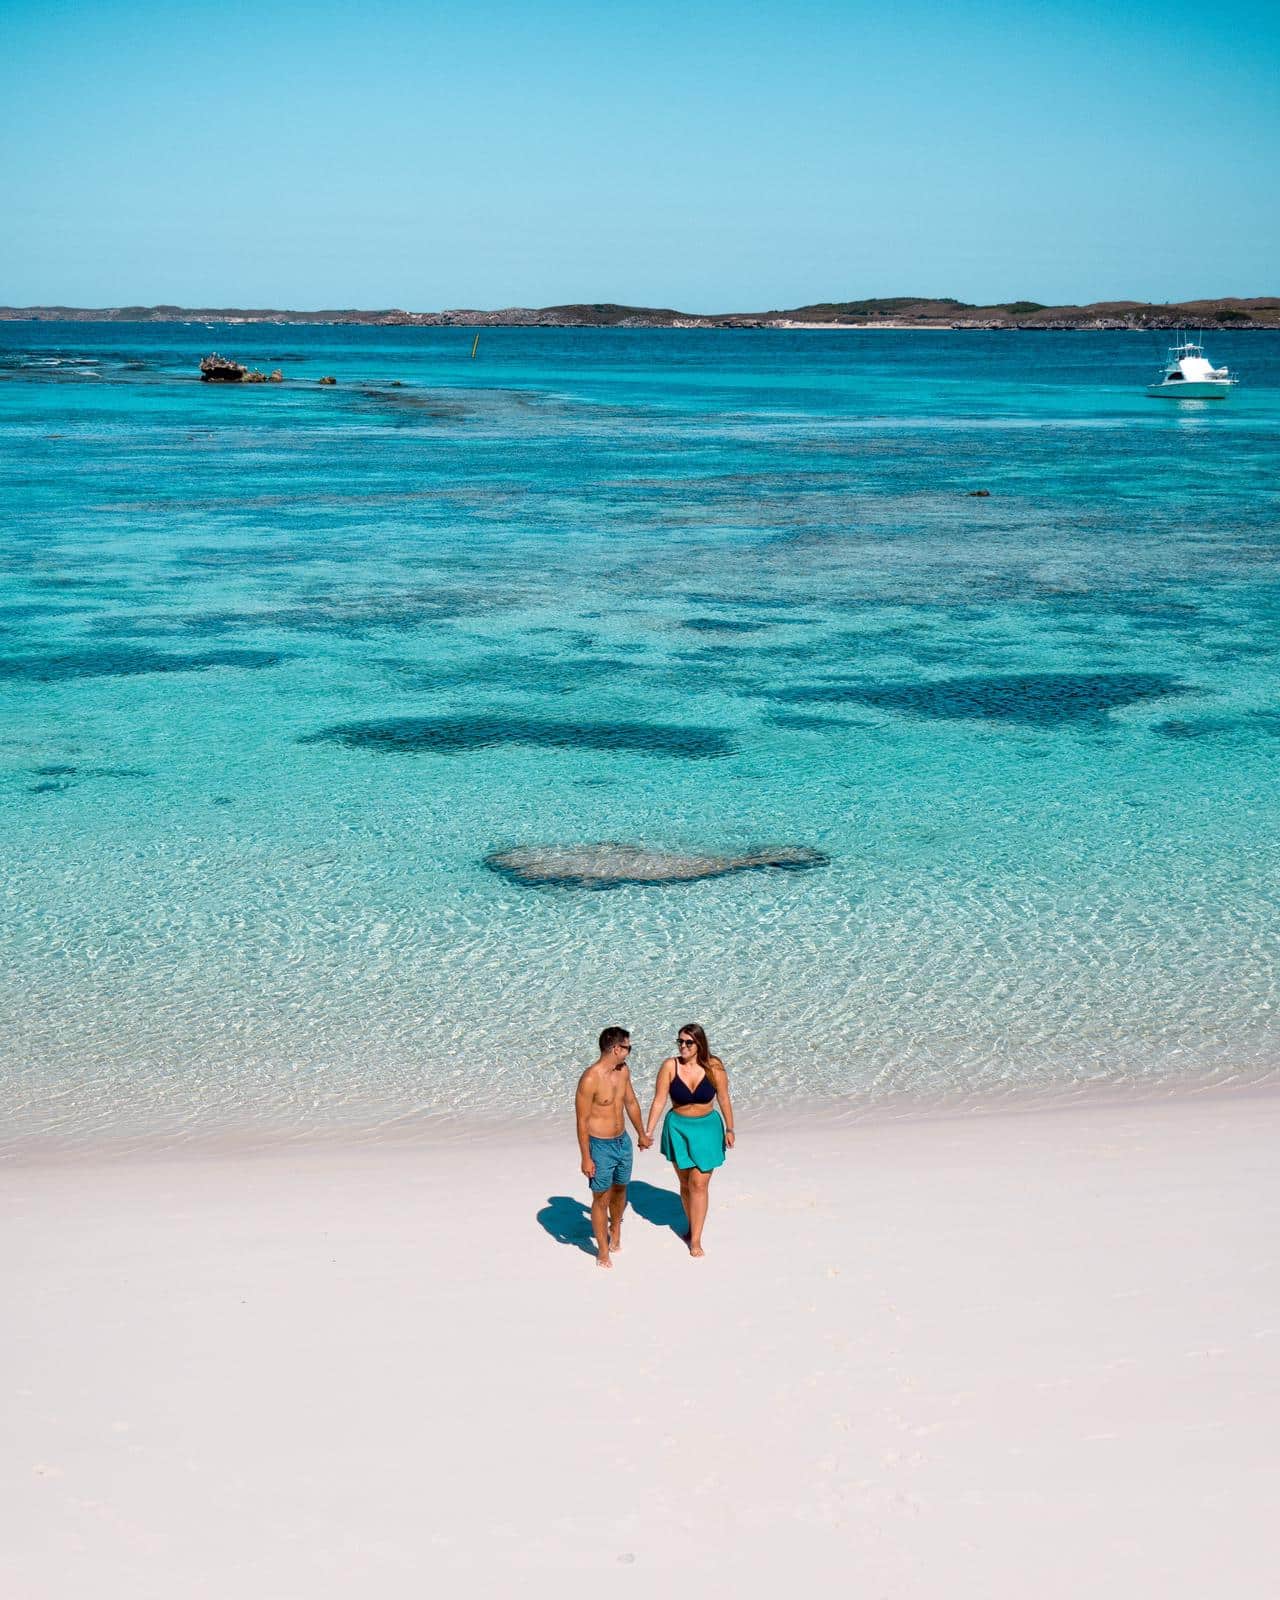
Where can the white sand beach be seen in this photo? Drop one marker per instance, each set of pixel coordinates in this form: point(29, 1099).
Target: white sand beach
point(992, 1354)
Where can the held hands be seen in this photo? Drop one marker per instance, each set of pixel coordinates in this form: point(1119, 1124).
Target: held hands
point(644, 1140)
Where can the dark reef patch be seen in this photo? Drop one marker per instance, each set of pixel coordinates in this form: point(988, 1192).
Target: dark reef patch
point(797, 719)
point(354, 618)
point(716, 654)
point(1039, 699)
point(760, 602)
point(1176, 623)
point(1194, 727)
point(818, 650)
point(1248, 651)
point(40, 611)
point(611, 865)
point(416, 403)
point(531, 673)
point(1265, 722)
point(149, 625)
point(59, 666)
point(458, 735)
point(55, 771)
point(934, 655)
point(1161, 613)
point(724, 625)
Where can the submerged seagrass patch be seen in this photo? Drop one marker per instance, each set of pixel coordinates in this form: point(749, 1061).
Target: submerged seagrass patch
point(457, 735)
point(1044, 699)
point(128, 662)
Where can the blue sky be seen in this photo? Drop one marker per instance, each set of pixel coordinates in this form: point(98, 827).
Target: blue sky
point(710, 157)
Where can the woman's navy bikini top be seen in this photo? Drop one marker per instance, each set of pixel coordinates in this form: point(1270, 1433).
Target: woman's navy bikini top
point(682, 1095)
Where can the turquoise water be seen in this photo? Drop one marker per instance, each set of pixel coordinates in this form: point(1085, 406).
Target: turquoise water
point(694, 591)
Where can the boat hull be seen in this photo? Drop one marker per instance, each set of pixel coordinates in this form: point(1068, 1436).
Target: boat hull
point(1189, 391)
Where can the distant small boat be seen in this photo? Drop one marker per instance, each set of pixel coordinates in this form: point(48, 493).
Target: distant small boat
point(1187, 375)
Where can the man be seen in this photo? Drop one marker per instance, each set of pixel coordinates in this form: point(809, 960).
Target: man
point(604, 1093)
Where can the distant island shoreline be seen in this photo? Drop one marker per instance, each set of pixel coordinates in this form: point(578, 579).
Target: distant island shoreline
point(897, 312)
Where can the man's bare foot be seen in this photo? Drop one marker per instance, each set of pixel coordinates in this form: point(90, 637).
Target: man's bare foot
point(602, 1260)
point(615, 1241)
point(696, 1249)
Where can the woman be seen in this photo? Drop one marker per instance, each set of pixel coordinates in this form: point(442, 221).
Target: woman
point(695, 1133)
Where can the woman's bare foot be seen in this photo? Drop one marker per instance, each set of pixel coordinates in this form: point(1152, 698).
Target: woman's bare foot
point(602, 1260)
point(696, 1249)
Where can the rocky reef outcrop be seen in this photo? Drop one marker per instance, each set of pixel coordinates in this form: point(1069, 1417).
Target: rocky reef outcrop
point(610, 865)
point(217, 369)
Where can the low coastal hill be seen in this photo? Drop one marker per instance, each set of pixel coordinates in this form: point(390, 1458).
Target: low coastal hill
point(893, 312)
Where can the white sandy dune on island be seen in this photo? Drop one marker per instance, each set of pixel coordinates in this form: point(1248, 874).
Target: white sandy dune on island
point(1000, 1354)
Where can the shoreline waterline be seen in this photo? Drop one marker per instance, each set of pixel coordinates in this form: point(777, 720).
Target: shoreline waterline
point(432, 1132)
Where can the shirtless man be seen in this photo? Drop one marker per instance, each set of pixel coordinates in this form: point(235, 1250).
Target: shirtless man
point(604, 1093)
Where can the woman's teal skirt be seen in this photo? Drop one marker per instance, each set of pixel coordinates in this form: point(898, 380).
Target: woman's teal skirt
point(694, 1141)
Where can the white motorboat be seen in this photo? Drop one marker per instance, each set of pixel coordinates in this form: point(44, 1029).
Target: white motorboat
point(1187, 375)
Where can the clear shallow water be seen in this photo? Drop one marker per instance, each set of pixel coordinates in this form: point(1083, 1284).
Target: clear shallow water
point(697, 591)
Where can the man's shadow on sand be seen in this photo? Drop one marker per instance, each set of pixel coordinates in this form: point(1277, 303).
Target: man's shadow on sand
point(568, 1221)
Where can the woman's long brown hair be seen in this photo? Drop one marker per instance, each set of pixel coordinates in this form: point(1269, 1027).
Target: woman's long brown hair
point(700, 1044)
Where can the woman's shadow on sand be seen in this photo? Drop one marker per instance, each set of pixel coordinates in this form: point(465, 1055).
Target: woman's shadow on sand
point(568, 1221)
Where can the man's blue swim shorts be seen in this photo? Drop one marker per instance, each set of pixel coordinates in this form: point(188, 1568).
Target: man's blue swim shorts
point(613, 1162)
